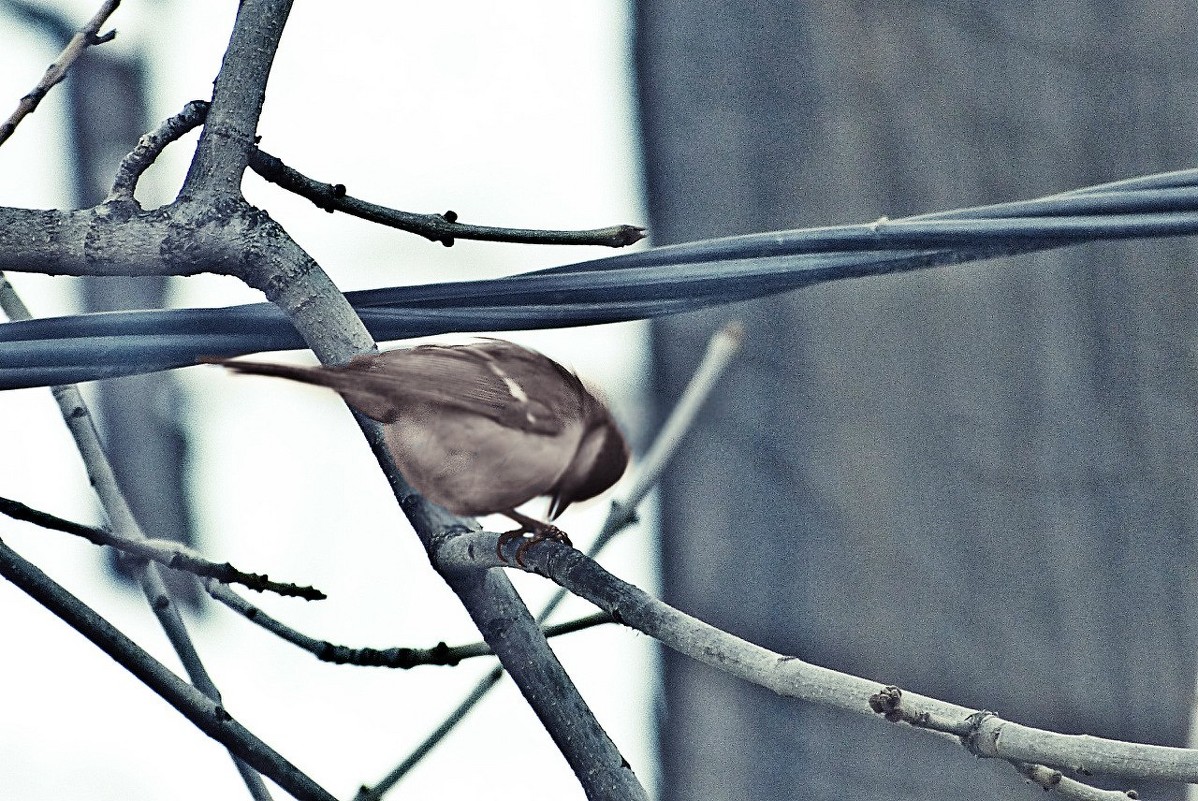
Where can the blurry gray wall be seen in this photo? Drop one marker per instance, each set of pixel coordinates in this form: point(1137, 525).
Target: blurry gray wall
point(975, 482)
point(139, 416)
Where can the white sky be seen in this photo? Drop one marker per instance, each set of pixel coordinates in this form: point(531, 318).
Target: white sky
point(517, 113)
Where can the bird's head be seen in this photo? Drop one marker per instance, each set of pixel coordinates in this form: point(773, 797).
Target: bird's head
point(598, 463)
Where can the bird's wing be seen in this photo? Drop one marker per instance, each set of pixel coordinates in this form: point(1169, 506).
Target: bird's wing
point(498, 380)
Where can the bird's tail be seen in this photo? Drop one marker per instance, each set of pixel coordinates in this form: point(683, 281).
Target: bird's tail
point(359, 391)
point(295, 372)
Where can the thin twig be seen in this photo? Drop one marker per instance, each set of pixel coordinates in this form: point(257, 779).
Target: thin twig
point(437, 735)
point(1052, 779)
point(722, 346)
point(205, 712)
point(167, 553)
point(402, 658)
point(85, 38)
point(443, 228)
point(79, 421)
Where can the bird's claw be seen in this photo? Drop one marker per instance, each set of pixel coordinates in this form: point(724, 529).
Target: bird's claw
point(540, 533)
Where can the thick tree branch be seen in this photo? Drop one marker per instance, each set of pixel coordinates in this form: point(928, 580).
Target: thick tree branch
point(237, 98)
point(118, 239)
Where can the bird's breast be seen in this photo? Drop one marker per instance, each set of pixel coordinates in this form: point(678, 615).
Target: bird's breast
point(473, 465)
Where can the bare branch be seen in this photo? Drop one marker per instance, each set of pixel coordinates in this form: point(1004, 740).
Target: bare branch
point(79, 421)
point(982, 733)
point(137, 161)
point(443, 228)
point(168, 553)
point(85, 38)
point(201, 709)
point(118, 238)
point(398, 657)
point(237, 98)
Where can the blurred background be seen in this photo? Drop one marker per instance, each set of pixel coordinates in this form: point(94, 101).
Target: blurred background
point(978, 482)
point(973, 482)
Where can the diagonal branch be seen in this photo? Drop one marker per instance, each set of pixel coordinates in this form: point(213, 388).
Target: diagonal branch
point(237, 98)
point(85, 38)
point(323, 316)
point(200, 708)
point(721, 348)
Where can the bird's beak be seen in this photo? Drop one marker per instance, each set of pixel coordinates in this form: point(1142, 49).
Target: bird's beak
point(598, 463)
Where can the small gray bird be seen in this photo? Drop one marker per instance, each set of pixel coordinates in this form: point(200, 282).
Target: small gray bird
point(480, 428)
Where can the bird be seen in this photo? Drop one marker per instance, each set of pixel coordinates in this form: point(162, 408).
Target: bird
point(479, 428)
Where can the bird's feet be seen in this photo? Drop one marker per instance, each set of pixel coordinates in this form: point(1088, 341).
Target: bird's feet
point(540, 533)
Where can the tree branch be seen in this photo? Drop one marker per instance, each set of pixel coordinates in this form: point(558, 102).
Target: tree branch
point(201, 709)
point(443, 228)
point(982, 733)
point(237, 98)
point(399, 657)
point(151, 145)
point(168, 553)
point(85, 38)
point(322, 315)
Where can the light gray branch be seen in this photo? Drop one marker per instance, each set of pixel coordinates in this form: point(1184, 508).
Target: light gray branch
point(982, 733)
point(85, 38)
point(237, 98)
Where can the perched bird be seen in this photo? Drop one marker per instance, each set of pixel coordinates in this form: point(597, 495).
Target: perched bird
point(480, 428)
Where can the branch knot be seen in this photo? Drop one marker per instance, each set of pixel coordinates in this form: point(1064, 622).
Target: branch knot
point(978, 738)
